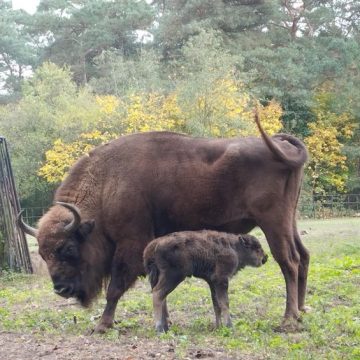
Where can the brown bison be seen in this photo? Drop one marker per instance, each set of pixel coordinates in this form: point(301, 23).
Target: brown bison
point(209, 255)
point(136, 188)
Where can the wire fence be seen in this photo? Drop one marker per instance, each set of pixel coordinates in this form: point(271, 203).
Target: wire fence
point(31, 215)
point(329, 206)
point(310, 207)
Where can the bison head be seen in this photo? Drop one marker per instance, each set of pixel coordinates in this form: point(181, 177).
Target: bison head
point(62, 238)
point(251, 251)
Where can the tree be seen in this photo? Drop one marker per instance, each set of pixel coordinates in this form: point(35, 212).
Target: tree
point(51, 107)
point(78, 31)
point(210, 88)
point(122, 75)
point(62, 155)
point(180, 20)
point(17, 53)
point(225, 108)
point(136, 113)
point(327, 169)
point(303, 45)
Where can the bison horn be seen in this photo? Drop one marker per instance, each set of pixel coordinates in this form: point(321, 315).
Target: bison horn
point(25, 227)
point(77, 218)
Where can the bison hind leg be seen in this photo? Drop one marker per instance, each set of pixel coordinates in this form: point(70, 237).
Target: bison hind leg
point(280, 237)
point(303, 271)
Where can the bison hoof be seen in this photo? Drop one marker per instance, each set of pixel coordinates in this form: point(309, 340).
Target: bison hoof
point(101, 328)
point(290, 325)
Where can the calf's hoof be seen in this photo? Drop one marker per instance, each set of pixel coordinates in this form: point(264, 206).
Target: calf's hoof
point(161, 328)
point(229, 324)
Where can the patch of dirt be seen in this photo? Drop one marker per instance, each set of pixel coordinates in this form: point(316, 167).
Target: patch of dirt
point(32, 346)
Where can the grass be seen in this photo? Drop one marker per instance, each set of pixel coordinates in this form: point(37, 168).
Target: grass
point(257, 300)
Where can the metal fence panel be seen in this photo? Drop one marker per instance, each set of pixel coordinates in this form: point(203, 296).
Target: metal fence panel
point(329, 206)
point(319, 206)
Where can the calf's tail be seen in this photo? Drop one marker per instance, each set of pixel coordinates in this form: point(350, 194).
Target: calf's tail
point(153, 272)
point(149, 264)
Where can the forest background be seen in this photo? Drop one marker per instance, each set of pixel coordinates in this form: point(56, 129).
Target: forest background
point(76, 74)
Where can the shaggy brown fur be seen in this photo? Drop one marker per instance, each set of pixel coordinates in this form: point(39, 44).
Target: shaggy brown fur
point(143, 186)
point(71, 257)
point(209, 255)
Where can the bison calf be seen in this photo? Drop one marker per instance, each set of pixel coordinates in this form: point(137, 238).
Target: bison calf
point(209, 255)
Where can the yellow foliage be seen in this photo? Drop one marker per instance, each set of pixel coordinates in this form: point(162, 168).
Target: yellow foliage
point(225, 111)
point(327, 166)
point(60, 158)
point(142, 113)
point(108, 103)
point(222, 110)
point(270, 117)
point(151, 112)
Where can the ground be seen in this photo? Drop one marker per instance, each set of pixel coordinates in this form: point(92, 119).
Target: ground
point(37, 324)
point(27, 346)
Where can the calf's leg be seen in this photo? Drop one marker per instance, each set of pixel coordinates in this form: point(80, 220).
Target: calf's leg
point(216, 306)
point(168, 281)
point(165, 312)
point(221, 293)
point(161, 323)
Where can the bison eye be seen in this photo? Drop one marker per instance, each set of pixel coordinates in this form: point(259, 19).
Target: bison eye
point(68, 253)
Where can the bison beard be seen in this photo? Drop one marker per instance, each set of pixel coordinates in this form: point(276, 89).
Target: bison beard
point(124, 194)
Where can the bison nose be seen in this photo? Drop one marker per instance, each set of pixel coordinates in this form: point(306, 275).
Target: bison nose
point(264, 260)
point(63, 290)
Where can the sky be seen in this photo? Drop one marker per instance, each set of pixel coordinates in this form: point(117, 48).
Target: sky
point(27, 5)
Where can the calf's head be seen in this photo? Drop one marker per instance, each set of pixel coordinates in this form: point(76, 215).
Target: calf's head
point(62, 238)
point(250, 251)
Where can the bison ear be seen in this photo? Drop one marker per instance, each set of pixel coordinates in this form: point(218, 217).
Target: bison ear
point(85, 228)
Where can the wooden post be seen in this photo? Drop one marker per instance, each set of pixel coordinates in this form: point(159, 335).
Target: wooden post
point(14, 251)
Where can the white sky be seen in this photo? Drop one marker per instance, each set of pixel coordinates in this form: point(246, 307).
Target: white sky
point(27, 5)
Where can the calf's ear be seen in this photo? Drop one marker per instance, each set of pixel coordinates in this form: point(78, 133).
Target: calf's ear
point(85, 229)
point(244, 241)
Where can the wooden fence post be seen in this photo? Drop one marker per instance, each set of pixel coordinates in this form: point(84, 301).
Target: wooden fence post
point(14, 251)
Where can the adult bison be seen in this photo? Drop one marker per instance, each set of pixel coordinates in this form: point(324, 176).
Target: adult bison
point(138, 187)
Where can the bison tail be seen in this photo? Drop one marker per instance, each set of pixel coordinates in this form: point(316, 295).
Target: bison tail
point(288, 149)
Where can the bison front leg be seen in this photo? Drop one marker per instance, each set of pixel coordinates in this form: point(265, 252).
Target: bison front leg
point(123, 275)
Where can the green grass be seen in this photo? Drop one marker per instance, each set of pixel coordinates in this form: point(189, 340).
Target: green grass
point(257, 300)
